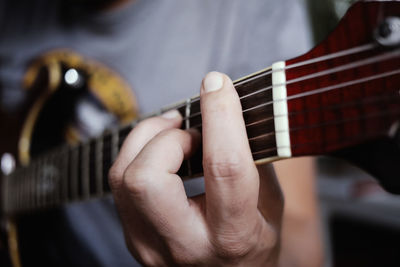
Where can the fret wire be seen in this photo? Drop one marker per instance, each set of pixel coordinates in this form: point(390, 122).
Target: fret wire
point(39, 183)
point(20, 187)
point(36, 183)
point(25, 189)
point(43, 181)
point(49, 181)
point(64, 174)
point(18, 190)
point(12, 189)
point(74, 172)
point(5, 190)
point(106, 162)
point(187, 126)
point(15, 189)
point(99, 166)
point(32, 182)
point(14, 194)
point(114, 145)
point(55, 162)
point(9, 190)
point(58, 179)
point(52, 184)
point(85, 170)
point(24, 195)
point(187, 114)
point(31, 185)
point(25, 202)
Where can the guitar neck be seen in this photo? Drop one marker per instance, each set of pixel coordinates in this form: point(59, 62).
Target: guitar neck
point(342, 93)
point(80, 172)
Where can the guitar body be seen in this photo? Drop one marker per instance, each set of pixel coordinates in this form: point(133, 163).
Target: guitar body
point(55, 113)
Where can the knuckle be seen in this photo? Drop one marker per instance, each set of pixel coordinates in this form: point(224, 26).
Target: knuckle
point(136, 180)
point(232, 247)
point(231, 166)
point(184, 255)
point(182, 259)
point(148, 123)
point(147, 258)
point(237, 244)
point(169, 139)
point(170, 133)
point(115, 177)
point(154, 124)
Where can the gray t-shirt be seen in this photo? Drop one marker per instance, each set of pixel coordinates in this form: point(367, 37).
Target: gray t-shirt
point(163, 49)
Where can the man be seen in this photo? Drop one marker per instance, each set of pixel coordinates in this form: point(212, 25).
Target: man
point(163, 49)
point(238, 219)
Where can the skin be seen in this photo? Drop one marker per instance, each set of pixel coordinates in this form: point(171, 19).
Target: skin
point(238, 221)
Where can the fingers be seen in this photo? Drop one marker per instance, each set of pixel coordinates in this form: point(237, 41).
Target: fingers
point(137, 139)
point(152, 184)
point(231, 178)
point(270, 202)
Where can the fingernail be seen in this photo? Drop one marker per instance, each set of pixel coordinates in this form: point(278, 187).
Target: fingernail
point(213, 82)
point(171, 114)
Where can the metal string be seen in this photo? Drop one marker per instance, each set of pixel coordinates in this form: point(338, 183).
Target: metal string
point(316, 91)
point(351, 51)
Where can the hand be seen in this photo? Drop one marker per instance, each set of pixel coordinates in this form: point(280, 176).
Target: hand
point(236, 222)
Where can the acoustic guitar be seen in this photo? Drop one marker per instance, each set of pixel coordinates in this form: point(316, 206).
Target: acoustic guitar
point(342, 98)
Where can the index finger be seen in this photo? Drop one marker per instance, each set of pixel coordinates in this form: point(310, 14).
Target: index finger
point(231, 178)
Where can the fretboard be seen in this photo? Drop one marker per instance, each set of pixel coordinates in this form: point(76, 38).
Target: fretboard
point(80, 172)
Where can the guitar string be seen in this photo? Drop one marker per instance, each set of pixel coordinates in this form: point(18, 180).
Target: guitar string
point(333, 122)
point(373, 115)
point(342, 140)
point(322, 90)
point(354, 50)
point(333, 107)
point(353, 65)
point(43, 202)
point(351, 51)
point(327, 88)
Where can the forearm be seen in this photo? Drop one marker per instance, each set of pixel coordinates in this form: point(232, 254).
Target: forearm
point(301, 237)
